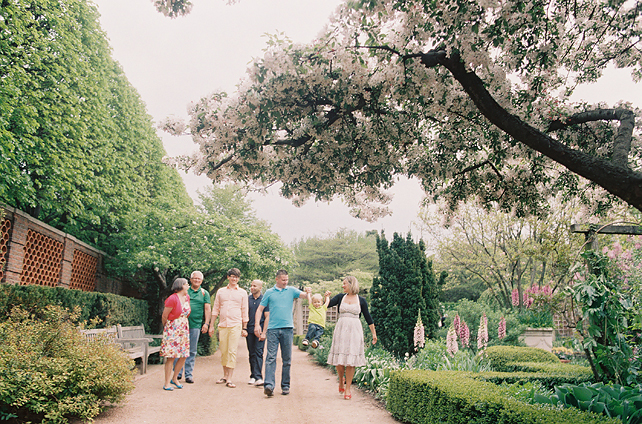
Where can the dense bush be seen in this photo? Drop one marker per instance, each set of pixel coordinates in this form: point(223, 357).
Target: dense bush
point(502, 357)
point(550, 378)
point(49, 372)
point(375, 375)
point(454, 397)
point(103, 309)
point(406, 286)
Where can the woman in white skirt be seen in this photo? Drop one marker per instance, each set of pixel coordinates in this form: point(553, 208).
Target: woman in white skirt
point(347, 351)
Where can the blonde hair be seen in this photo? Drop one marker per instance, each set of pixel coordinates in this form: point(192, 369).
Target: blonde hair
point(317, 297)
point(354, 284)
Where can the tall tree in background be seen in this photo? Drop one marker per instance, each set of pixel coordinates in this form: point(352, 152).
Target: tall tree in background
point(406, 284)
point(78, 149)
point(470, 97)
point(507, 252)
point(329, 258)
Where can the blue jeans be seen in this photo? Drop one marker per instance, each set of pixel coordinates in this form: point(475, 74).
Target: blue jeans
point(255, 349)
point(315, 331)
point(276, 337)
point(194, 334)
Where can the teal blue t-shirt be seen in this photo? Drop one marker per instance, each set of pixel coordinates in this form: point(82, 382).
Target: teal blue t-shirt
point(280, 303)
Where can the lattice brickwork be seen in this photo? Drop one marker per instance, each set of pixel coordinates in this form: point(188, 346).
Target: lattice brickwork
point(42, 260)
point(4, 241)
point(83, 271)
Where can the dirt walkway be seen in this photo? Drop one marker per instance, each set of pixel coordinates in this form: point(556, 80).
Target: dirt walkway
point(313, 397)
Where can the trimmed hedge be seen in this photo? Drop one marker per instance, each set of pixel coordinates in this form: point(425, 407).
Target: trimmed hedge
point(105, 308)
point(502, 357)
point(549, 375)
point(447, 397)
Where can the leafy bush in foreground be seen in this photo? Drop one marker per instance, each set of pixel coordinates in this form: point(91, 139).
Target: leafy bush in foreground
point(49, 372)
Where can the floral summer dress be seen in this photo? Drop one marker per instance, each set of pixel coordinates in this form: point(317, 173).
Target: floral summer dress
point(176, 335)
point(347, 338)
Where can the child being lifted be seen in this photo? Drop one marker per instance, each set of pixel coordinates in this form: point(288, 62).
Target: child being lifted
point(316, 319)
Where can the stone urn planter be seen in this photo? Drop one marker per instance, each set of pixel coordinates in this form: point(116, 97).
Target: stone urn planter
point(539, 337)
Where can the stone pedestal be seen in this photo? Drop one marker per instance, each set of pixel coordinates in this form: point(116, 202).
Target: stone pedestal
point(539, 337)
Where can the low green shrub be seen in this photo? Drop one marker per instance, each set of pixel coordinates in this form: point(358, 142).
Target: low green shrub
point(624, 403)
point(49, 372)
point(465, 360)
point(455, 397)
point(102, 309)
point(549, 378)
point(501, 357)
point(429, 357)
point(375, 375)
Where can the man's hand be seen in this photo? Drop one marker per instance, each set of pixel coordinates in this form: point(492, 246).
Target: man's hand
point(257, 330)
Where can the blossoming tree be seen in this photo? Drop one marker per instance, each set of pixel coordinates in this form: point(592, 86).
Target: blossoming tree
point(471, 98)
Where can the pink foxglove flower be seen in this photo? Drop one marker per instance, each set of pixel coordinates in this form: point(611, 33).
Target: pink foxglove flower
point(501, 331)
point(419, 333)
point(456, 323)
point(451, 342)
point(482, 333)
point(464, 334)
point(515, 297)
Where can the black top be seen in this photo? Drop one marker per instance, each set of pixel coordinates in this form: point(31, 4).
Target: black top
point(253, 305)
point(336, 300)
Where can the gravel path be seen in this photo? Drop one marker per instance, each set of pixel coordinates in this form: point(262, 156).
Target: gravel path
point(313, 397)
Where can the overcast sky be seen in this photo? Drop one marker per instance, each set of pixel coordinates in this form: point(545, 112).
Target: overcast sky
point(172, 62)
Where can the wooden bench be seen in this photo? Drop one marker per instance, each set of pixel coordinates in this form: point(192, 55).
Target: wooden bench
point(134, 347)
point(134, 337)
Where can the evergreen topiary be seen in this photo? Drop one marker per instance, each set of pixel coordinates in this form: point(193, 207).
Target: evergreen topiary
point(405, 285)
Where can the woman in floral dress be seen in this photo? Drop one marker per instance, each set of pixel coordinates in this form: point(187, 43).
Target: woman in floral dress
point(347, 350)
point(175, 332)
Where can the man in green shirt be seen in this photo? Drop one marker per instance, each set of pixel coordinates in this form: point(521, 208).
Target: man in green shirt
point(199, 300)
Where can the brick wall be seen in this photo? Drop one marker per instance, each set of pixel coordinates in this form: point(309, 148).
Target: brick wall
point(36, 253)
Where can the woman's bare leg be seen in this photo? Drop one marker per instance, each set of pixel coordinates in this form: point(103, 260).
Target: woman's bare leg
point(178, 368)
point(340, 374)
point(169, 362)
point(349, 376)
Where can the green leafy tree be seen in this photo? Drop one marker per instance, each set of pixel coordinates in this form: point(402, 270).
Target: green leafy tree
point(505, 252)
point(610, 325)
point(78, 148)
point(329, 258)
point(406, 285)
point(168, 242)
point(469, 97)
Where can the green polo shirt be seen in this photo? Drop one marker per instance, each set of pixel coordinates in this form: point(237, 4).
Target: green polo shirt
point(197, 298)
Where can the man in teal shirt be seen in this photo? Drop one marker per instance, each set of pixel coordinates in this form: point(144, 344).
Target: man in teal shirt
point(199, 300)
point(279, 331)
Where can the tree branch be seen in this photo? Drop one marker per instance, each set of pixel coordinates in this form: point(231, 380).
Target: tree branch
point(618, 180)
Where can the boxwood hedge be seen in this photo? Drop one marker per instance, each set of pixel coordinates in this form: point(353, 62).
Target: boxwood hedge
point(451, 397)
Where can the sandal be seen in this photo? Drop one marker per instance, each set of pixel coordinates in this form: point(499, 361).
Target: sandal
point(178, 386)
point(347, 397)
point(230, 385)
point(221, 381)
point(169, 389)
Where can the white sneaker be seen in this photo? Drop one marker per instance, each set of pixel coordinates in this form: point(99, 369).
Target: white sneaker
point(304, 342)
point(315, 344)
point(258, 382)
point(252, 381)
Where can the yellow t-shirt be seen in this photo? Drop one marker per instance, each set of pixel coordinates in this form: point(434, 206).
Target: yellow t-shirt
point(317, 315)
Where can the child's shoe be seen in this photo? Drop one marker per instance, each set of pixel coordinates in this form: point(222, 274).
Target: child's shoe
point(315, 343)
point(305, 342)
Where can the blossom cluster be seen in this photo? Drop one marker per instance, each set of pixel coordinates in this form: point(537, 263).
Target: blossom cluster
point(451, 342)
point(501, 329)
point(482, 333)
point(419, 336)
